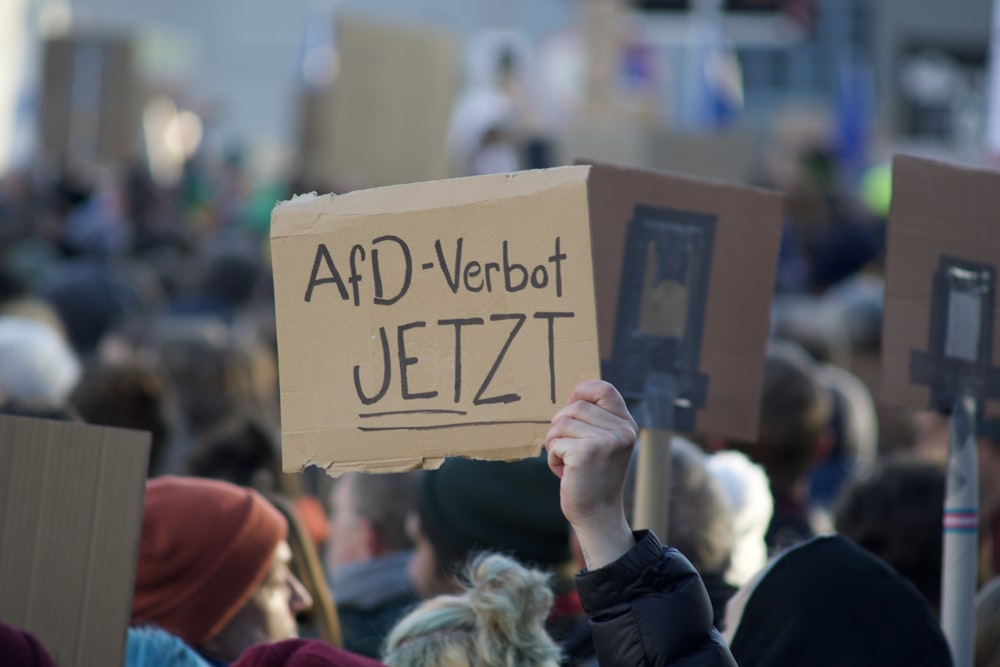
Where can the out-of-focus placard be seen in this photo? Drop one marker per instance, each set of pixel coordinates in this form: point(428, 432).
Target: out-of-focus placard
point(684, 271)
point(70, 516)
point(432, 319)
point(939, 325)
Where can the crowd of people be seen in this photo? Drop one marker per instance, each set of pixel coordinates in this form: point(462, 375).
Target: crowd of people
point(124, 304)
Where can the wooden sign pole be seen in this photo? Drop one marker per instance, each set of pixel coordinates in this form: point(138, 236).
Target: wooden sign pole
point(652, 485)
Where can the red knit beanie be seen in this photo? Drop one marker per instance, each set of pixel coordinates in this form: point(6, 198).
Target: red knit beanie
point(302, 653)
point(206, 546)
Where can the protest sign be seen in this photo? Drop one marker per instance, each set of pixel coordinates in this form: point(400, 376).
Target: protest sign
point(684, 270)
point(425, 320)
point(70, 521)
point(90, 102)
point(940, 292)
point(385, 119)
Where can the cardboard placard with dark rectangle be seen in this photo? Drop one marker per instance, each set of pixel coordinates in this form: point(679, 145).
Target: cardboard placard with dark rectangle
point(943, 249)
point(684, 271)
point(432, 319)
point(70, 519)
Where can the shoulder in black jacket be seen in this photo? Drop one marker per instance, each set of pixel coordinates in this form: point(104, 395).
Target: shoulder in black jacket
point(649, 608)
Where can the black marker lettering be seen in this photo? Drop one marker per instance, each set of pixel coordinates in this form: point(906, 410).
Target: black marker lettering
point(503, 398)
point(405, 361)
point(551, 317)
point(495, 267)
point(557, 259)
point(407, 270)
point(323, 255)
point(354, 278)
point(386, 373)
point(539, 282)
point(509, 268)
point(473, 269)
point(451, 279)
point(458, 324)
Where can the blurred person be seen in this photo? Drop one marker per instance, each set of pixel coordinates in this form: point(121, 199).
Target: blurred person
point(467, 506)
point(302, 653)
point(794, 436)
point(988, 454)
point(36, 364)
point(230, 279)
point(748, 491)
point(153, 647)
point(896, 515)
point(645, 602)
point(829, 602)
point(23, 649)
point(987, 641)
point(700, 520)
point(213, 568)
point(497, 619)
point(125, 395)
point(368, 555)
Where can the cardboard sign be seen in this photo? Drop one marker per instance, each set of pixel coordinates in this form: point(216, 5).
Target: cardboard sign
point(388, 111)
point(90, 99)
point(70, 517)
point(684, 271)
point(940, 313)
point(426, 320)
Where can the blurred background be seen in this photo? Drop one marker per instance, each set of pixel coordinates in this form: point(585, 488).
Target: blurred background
point(144, 143)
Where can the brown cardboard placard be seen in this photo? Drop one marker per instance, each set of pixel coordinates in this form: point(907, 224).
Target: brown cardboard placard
point(734, 231)
point(477, 291)
point(387, 114)
point(939, 321)
point(90, 98)
point(70, 518)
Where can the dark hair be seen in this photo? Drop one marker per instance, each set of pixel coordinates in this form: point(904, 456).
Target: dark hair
point(795, 412)
point(125, 395)
point(896, 515)
point(237, 449)
point(385, 500)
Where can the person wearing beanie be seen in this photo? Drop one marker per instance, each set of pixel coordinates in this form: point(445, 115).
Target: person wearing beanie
point(302, 653)
point(213, 567)
point(21, 648)
point(468, 506)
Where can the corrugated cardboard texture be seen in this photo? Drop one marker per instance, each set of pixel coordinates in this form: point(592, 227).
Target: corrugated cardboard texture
point(741, 280)
point(331, 345)
point(937, 210)
point(390, 105)
point(70, 518)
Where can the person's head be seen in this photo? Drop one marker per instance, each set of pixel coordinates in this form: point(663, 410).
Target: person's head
point(794, 418)
point(497, 619)
point(125, 395)
point(302, 653)
point(36, 363)
point(746, 487)
point(829, 602)
point(988, 432)
point(19, 647)
point(467, 506)
point(368, 517)
point(700, 520)
point(238, 449)
point(896, 515)
point(214, 567)
point(987, 640)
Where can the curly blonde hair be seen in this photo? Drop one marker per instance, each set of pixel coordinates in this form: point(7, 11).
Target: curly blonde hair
point(497, 621)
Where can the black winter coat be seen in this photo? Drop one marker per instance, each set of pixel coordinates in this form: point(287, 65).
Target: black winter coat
point(650, 608)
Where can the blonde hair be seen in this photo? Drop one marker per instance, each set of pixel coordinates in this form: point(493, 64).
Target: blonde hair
point(497, 621)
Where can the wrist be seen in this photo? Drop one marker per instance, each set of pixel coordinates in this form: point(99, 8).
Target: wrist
point(603, 540)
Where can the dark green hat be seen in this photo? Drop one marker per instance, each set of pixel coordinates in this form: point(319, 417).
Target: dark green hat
point(508, 507)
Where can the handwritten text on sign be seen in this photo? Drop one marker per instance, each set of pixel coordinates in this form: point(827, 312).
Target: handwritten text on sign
point(423, 321)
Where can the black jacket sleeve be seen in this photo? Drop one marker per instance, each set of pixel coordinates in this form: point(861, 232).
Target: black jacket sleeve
point(650, 608)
